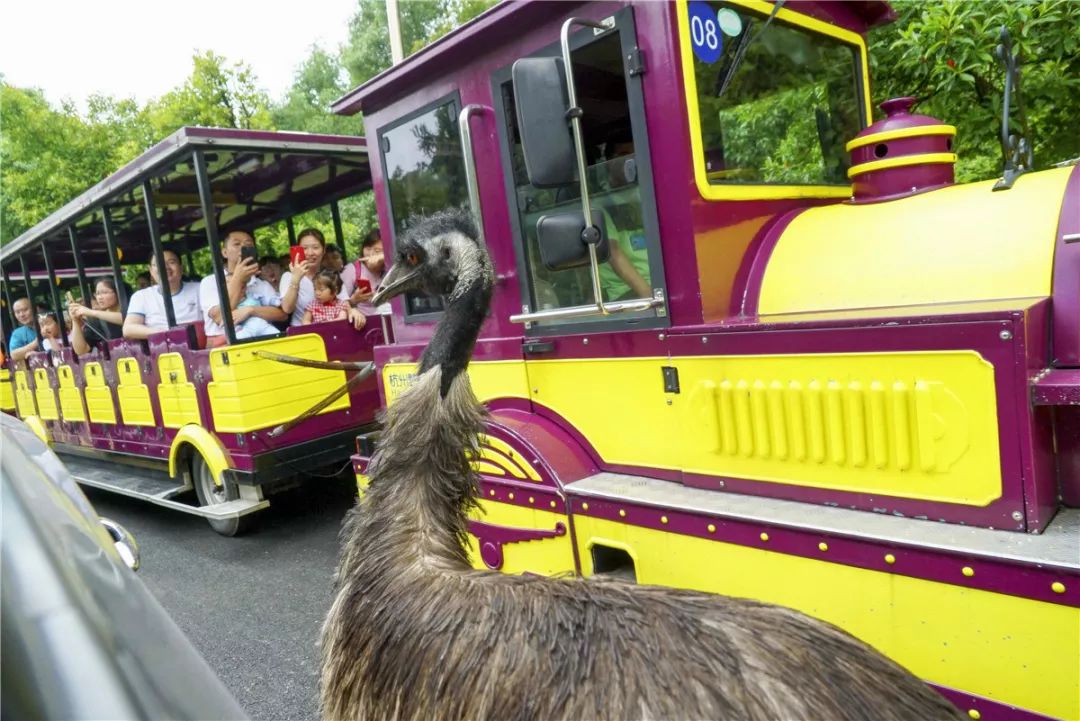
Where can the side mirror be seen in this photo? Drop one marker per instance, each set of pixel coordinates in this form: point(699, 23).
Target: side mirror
point(540, 96)
point(561, 241)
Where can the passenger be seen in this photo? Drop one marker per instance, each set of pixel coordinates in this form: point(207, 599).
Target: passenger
point(626, 274)
point(24, 339)
point(143, 280)
point(146, 309)
point(50, 331)
point(270, 270)
point(102, 321)
point(297, 288)
point(333, 258)
point(361, 279)
point(327, 306)
point(256, 306)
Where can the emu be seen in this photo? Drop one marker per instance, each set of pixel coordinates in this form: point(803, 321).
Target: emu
point(415, 633)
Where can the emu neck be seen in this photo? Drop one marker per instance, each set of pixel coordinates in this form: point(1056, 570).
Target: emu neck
point(452, 344)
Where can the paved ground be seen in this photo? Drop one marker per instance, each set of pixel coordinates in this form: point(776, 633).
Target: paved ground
point(252, 605)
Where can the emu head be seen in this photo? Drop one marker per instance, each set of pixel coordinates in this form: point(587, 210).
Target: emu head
point(440, 254)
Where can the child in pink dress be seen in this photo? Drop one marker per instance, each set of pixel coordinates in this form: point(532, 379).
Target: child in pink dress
point(327, 306)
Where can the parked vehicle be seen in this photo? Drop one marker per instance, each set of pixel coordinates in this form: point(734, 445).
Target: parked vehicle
point(765, 347)
point(209, 431)
point(82, 637)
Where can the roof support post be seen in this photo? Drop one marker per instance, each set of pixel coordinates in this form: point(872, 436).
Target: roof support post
point(339, 236)
point(189, 259)
point(84, 285)
point(159, 252)
point(10, 321)
point(29, 296)
point(114, 260)
point(206, 200)
point(54, 291)
point(292, 230)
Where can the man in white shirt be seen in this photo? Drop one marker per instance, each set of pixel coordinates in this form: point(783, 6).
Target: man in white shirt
point(146, 309)
point(254, 302)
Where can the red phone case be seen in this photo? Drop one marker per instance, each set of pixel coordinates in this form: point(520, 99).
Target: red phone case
point(296, 254)
point(364, 284)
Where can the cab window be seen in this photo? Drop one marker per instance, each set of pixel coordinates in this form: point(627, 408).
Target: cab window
point(615, 157)
point(777, 102)
point(425, 172)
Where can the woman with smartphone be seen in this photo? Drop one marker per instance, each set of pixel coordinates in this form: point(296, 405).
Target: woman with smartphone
point(91, 325)
point(297, 284)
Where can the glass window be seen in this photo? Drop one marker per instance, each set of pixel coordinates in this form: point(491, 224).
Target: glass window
point(425, 173)
point(613, 188)
point(776, 105)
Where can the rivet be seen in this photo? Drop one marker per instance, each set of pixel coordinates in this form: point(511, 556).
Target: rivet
point(622, 513)
point(491, 492)
point(704, 339)
point(823, 546)
point(663, 519)
point(764, 536)
point(890, 559)
point(585, 341)
point(536, 390)
point(584, 506)
point(974, 714)
point(660, 337)
point(1057, 587)
point(1005, 335)
point(968, 571)
point(532, 500)
point(553, 504)
point(1017, 516)
point(712, 528)
point(668, 401)
point(510, 496)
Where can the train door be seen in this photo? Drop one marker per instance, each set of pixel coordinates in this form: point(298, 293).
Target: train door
point(577, 352)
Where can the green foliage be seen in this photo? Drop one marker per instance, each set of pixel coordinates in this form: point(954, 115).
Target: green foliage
point(943, 53)
point(318, 82)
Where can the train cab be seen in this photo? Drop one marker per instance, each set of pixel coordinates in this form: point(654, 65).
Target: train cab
point(744, 339)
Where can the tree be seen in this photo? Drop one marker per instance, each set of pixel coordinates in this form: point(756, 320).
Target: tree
point(319, 81)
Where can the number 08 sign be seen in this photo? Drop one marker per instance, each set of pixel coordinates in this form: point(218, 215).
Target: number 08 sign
point(705, 35)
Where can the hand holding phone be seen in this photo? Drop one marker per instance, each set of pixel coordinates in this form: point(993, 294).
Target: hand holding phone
point(249, 251)
point(296, 254)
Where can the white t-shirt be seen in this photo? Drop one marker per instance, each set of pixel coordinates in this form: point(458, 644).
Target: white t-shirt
point(149, 303)
point(258, 290)
point(305, 294)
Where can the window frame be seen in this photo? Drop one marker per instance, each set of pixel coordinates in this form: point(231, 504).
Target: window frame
point(453, 99)
point(623, 24)
point(764, 191)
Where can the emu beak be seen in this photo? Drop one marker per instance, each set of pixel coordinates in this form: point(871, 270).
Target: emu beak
point(397, 280)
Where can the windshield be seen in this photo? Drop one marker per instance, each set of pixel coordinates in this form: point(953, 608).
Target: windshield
point(781, 113)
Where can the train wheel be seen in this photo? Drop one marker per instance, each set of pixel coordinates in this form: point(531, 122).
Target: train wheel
point(211, 494)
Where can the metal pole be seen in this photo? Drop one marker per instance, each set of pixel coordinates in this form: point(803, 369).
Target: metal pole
point(54, 290)
point(114, 260)
point(7, 299)
point(159, 252)
point(87, 291)
point(393, 24)
point(292, 230)
point(205, 199)
point(339, 236)
point(189, 258)
point(30, 296)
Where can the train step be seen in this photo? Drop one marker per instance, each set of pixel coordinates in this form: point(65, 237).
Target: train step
point(150, 484)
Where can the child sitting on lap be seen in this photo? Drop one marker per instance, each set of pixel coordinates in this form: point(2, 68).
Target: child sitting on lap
point(327, 306)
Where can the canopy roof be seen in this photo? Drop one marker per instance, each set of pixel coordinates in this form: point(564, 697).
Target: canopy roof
point(257, 178)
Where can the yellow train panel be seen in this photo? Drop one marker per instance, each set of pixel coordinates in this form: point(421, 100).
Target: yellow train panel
point(7, 391)
point(248, 393)
point(911, 425)
point(828, 260)
point(99, 399)
point(132, 394)
point(71, 400)
point(24, 396)
point(489, 379)
point(45, 395)
point(179, 403)
point(549, 556)
point(1009, 649)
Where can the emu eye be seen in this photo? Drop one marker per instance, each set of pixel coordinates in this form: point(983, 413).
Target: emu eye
point(412, 259)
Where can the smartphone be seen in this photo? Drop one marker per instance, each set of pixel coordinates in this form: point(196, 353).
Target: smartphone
point(68, 297)
point(249, 251)
point(364, 284)
point(296, 254)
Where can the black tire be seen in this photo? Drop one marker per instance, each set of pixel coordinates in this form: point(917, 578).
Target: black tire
point(211, 494)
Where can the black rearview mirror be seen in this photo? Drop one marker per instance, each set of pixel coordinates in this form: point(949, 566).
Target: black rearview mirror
point(561, 243)
point(541, 100)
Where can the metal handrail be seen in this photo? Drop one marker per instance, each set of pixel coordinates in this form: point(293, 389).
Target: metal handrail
point(469, 158)
point(599, 307)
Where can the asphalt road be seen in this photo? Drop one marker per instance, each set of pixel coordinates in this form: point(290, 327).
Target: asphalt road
point(252, 605)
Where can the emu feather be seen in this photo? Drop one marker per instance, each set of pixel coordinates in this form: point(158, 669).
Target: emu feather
point(415, 633)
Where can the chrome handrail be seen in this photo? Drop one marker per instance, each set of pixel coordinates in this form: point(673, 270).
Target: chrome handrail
point(469, 158)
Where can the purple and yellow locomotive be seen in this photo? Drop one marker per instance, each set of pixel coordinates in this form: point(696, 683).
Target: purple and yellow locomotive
point(745, 341)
